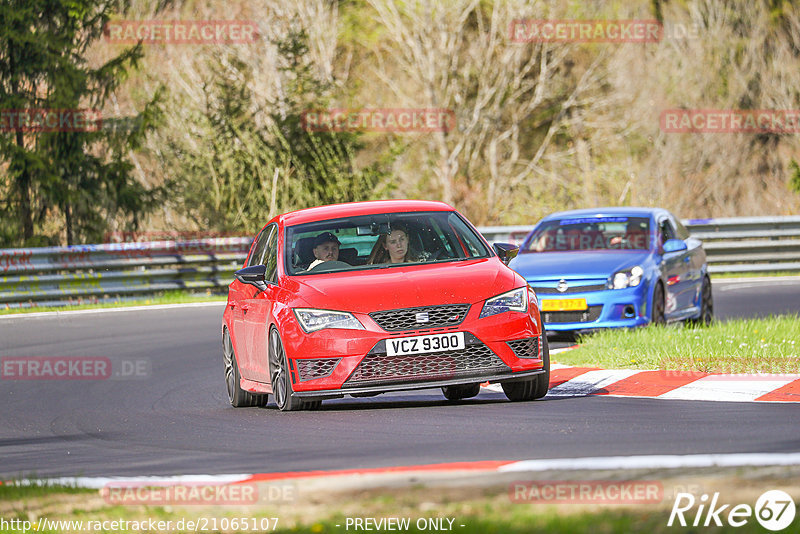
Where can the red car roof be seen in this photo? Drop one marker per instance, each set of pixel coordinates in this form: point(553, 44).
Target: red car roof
point(335, 211)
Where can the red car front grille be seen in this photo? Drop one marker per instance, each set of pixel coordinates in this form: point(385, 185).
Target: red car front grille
point(421, 317)
point(473, 360)
point(525, 348)
point(316, 368)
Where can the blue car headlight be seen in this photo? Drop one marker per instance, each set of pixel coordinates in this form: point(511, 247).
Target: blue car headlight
point(627, 278)
point(312, 320)
point(514, 300)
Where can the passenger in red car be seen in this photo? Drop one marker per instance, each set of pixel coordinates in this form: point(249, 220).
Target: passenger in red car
point(393, 248)
point(326, 248)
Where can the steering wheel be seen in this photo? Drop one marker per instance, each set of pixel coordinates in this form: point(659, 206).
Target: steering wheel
point(333, 265)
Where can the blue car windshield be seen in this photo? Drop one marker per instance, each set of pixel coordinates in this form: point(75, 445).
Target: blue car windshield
point(590, 233)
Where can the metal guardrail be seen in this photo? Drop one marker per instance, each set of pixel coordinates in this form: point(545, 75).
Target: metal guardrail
point(54, 276)
point(96, 273)
point(732, 245)
point(749, 244)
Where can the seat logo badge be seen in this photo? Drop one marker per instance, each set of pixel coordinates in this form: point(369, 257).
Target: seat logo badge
point(422, 317)
point(562, 286)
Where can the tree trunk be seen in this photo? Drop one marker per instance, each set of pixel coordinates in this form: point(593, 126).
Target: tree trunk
point(24, 179)
point(24, 186)
point(68, 217)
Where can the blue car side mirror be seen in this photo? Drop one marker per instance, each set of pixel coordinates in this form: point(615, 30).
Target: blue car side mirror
point(674, 245)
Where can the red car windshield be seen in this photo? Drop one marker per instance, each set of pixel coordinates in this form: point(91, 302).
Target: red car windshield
point(380, 241)
point(590, 233)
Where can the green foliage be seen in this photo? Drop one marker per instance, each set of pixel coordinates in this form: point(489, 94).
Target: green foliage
point(17, 490)
point(118, 301)
point(794, 176)
point(81, 176)
point(242, 164)
point(657, 11)
point(767, 345)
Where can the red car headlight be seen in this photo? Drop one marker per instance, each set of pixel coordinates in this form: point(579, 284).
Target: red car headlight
point(312, 320)
point(514, 300)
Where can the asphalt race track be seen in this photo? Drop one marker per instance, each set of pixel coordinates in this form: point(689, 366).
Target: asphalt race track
point(175, 419)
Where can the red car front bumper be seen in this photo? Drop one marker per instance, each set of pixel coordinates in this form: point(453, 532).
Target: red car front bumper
point(334, 362)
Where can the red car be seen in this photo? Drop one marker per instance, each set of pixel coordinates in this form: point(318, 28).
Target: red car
point(364, 298)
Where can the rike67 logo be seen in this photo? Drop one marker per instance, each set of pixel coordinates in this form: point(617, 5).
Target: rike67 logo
point(774, 510)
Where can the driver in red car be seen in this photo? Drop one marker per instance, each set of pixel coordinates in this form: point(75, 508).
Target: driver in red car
point(326, 248)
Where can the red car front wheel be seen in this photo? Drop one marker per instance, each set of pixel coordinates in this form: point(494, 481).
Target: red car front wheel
point(236, 395)
point(281, 381)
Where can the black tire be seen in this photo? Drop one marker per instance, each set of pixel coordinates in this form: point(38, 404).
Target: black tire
point(520, 390)
point(532, 388)
point(279, 376)
point(238, 397)
point(312, 404)
point(659, 305)
point(706, 303)
point(543, 381)
point(461, 391)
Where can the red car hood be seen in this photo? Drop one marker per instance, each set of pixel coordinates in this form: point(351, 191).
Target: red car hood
point(468, 281)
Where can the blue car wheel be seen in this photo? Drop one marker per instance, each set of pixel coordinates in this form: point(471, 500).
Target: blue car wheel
point(657, 316)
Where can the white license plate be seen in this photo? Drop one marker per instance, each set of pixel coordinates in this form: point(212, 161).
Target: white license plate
point(423, 344)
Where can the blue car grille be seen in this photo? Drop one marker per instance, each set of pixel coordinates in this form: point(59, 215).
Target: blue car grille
point(586, 316)
point(570, 289)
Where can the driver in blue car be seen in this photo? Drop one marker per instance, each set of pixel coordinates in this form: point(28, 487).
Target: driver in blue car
point(326, 248)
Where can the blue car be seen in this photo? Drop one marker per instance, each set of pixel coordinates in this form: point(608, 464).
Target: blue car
point(613, 268)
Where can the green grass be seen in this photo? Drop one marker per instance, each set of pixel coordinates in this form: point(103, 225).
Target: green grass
point(714, 276)
point(770, 345)
point(490, 513)
point(531, 519)
point(166, 297)
point(38, 489)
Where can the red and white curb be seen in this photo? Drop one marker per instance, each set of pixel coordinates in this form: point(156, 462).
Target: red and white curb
point(683, 385)
point(490, 466)
point(568, 381)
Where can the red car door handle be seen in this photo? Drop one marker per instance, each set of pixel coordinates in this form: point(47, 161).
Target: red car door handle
point(245, 307)
point(232, 304)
